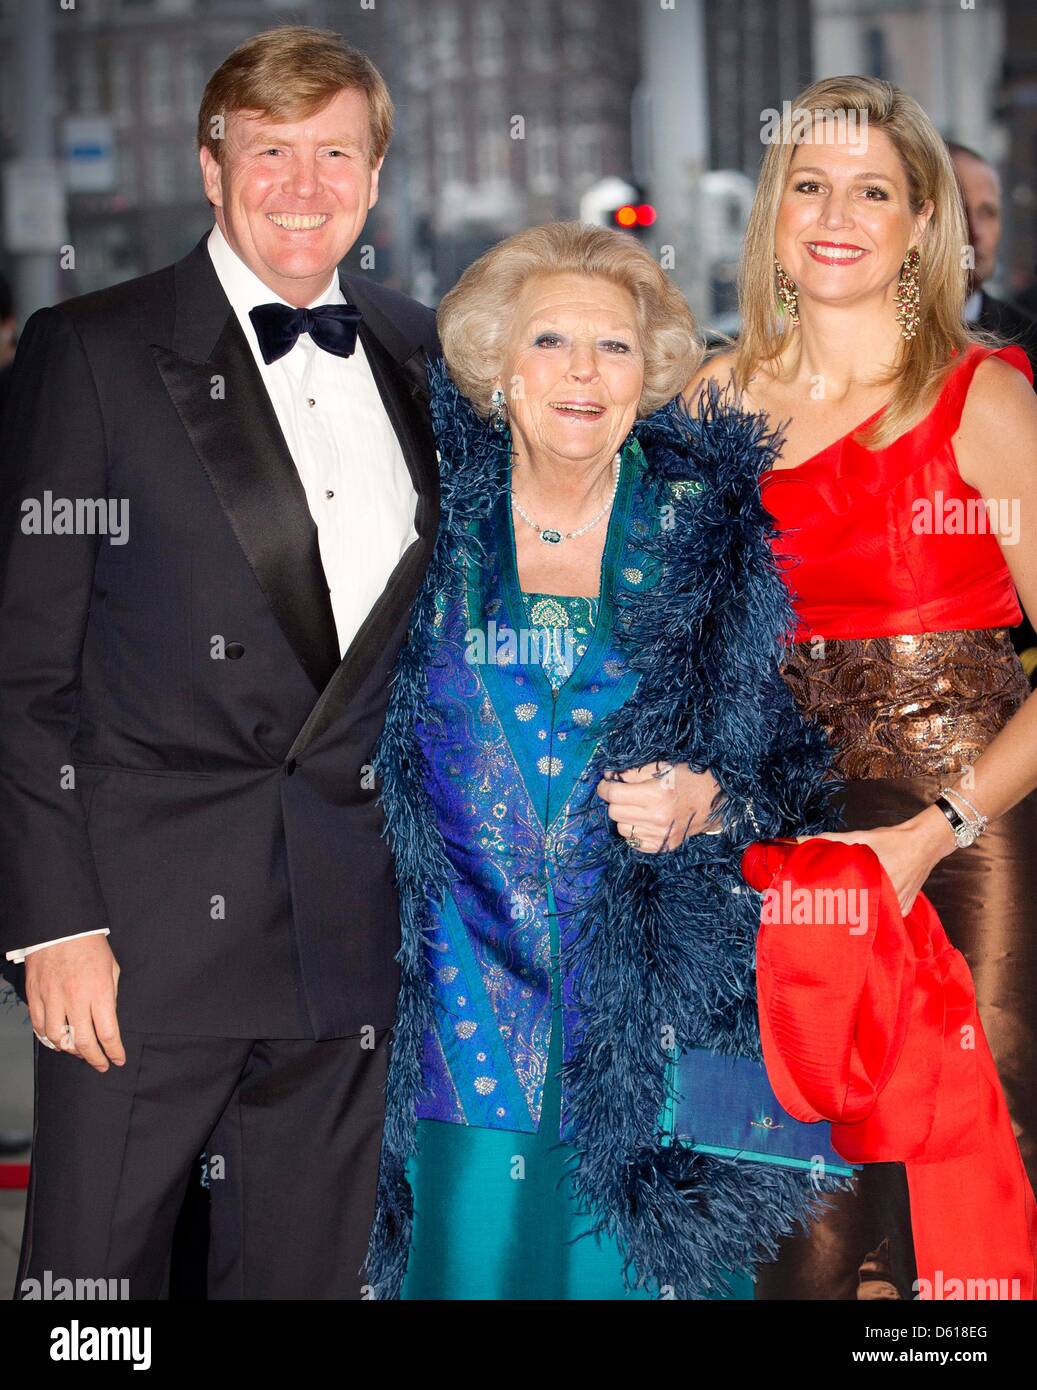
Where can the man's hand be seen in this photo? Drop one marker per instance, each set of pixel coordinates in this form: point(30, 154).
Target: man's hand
point(77, 981)
point(661, 804)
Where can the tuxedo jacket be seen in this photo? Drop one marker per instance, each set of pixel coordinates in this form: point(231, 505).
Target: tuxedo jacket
point(1011, 323)
point(1015, 325)
point(184, 757)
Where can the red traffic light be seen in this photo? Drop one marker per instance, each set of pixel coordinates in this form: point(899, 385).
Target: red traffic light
point(634, 215)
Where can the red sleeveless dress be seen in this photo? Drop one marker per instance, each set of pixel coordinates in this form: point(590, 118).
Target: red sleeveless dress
point(902, 655)
point(889, 542)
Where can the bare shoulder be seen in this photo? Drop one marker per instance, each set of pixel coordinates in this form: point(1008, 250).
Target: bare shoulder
point(998, 427)
point(718, 367)
point(997, 386)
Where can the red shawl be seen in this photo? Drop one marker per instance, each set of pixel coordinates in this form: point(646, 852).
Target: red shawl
point(868, 1019)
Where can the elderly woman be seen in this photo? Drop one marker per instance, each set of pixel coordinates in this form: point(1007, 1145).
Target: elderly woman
point(600, 623)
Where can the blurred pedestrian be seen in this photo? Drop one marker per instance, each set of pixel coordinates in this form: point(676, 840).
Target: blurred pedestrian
point(8, 336)
point(981, 193)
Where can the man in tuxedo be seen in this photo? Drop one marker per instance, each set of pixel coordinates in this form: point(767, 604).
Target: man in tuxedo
point(219, 496)
point(981, 194)
point(8, 337)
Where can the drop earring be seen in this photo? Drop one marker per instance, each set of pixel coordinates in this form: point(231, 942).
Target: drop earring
point(907, 295)
point(787, 292)
point(499, 411)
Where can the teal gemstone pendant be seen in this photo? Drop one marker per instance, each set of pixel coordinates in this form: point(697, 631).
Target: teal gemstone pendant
point(550, 535)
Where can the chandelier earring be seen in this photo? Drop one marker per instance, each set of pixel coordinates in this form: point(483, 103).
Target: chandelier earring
point(787, 292)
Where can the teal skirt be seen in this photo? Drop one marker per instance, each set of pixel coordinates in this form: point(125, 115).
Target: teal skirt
point(495, 1216)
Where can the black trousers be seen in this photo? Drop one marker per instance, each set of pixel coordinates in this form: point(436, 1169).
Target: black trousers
point(861, 1247)
point(293, 1130)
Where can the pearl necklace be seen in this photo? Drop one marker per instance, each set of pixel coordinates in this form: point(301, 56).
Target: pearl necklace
point(550, 535)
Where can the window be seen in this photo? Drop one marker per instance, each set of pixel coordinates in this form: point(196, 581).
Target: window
point(158, 85)
point(585, 154)
point(877, 62)
point(88, 81)
point(449, 156)
point(542, 158)
point(537, 31)
point(581, 14)
point(446, 41)
point(192, 82)
point(492, 156)
point(488, 42)
point(120, 77)
point(126, 175)
point(160, 170)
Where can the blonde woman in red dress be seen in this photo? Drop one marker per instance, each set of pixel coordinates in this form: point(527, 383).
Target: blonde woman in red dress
point(906, 495)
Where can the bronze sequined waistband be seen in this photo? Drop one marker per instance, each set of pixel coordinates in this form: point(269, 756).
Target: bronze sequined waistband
point(908, 706)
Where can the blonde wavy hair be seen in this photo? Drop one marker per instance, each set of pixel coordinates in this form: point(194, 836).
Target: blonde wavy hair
point(942, 275)
point(291, 73)
point(474, 318)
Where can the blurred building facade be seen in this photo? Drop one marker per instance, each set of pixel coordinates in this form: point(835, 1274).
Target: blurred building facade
point(508, 112)
point(759, 55)
point(973, 66)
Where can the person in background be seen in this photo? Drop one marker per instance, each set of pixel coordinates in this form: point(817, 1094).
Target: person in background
point(1027, 299)
point(8, 336)
point(981, 192)
point(11, 1141)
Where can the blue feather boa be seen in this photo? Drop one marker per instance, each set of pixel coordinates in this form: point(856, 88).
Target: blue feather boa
point(664, 940)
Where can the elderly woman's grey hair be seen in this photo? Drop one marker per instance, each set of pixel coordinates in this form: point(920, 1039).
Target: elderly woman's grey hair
point(475, 317)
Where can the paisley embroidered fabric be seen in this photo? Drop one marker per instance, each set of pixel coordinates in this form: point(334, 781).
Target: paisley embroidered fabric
point(908, 705)
point(563, 624)
point(479, 1233)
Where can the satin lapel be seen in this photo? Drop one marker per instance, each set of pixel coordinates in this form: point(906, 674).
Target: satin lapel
point(239, 442)
point(404, 394)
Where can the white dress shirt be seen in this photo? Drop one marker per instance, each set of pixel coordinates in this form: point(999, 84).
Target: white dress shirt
point(357, 484)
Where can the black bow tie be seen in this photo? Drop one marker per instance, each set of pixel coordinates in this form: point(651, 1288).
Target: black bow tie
point(331, 326)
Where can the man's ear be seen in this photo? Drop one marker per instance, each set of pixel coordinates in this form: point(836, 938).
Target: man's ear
point(374, 183)
point(212, 176)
